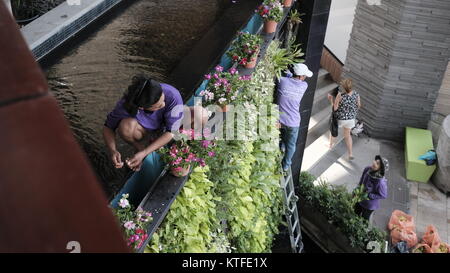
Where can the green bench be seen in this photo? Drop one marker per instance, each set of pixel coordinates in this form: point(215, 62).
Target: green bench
point(417, 143)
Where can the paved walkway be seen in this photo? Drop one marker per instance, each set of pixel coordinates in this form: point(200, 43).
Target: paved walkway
point(427, 204)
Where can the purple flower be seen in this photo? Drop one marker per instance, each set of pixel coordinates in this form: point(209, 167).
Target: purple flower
point(219, 68)
point(233, 71)
point(205, 143)
point(211, 154)
point(208, 76)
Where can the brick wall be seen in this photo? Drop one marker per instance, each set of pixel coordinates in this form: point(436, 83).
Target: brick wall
point(397, 57)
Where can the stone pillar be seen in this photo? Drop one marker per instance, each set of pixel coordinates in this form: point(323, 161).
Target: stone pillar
point(311, 36)
point(441, 177)
point(397, 56)
point(441, 108)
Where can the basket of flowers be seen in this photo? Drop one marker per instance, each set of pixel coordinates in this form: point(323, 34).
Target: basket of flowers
point(134, 223)
point(189, 150)
point(272, 13)
point(223, 87)
point(245, 49)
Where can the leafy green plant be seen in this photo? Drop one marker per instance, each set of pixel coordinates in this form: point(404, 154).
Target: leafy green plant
point(191, 221)
point(283, 57)
point(337, 205)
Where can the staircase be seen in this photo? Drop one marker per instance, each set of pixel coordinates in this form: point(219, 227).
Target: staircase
point(318, 131)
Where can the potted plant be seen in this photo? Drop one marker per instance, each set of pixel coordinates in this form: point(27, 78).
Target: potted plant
point(245, 49)
point(272, 12)
point(223, 87)
point(191, 149)
point(287, 3)
point(134, 223)
point(24, 11)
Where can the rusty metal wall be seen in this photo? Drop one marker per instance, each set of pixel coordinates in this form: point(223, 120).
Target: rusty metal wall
point(49, 195)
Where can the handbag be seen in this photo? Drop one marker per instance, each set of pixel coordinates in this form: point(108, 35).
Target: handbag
point(333, 124)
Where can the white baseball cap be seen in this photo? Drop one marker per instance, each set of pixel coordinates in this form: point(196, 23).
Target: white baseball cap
point(302, 70)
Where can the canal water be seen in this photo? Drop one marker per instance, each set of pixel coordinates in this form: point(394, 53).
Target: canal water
point(148, 36)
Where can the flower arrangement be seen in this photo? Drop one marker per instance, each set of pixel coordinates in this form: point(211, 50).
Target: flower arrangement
point(271, 10)
point(223, 87)
point(190, 150)
point(245, 48)
point(134, 223)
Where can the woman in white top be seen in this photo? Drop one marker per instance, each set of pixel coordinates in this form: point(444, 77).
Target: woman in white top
point(346, 106)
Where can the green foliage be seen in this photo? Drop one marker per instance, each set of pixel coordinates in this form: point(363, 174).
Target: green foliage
point(191, 222)
point(282, 57)
point(295, 17)
point(245, 194)
point(337, 205)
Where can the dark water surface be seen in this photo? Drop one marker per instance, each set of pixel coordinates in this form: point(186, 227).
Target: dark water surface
point(149, 36)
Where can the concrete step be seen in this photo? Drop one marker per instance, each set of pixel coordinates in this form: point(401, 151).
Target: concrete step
point(318, 149)
point(320, 98)
point(315, 120)
point(323, 78)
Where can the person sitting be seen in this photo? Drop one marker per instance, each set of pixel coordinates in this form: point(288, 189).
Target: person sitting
point(146, 117)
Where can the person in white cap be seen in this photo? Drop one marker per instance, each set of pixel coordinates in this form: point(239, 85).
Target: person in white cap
point(290, 93)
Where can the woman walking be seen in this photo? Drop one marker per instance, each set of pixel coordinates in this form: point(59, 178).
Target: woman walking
point(346, 106)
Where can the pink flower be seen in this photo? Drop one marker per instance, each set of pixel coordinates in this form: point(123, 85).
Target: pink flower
point(129, 225)
point(233, 71)
point(205, 143)
point(219, 68)
point(216, 76)
point(178, 169)
point(202, 163)
point(208, 76)
point(211, 154)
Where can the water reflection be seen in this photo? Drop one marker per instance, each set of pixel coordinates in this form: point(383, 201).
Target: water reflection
point(150, 36)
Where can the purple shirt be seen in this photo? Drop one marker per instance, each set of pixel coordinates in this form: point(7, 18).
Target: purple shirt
point(290, 94)
point(165, 118)
point(376, 189)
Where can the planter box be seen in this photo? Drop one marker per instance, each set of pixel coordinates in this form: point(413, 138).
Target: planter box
point(324, 234)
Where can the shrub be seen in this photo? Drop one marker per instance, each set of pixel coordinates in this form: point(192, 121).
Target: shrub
point(337, 205)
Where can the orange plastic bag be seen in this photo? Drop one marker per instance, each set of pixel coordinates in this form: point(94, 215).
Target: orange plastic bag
point(441, 248)
point(422, 248)
point(406, 235)
point(431, 237)
point(401, 220)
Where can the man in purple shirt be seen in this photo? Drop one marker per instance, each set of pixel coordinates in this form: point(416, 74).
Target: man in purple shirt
point(290, 93)
point(147, 107)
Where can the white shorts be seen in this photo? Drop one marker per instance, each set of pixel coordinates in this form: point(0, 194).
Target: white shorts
point(349, 123)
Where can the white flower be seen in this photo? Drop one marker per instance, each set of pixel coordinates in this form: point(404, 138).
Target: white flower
point(222, 100)
point(123, 203)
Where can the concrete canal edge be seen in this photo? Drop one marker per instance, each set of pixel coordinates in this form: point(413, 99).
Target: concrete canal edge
point(49, 31)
